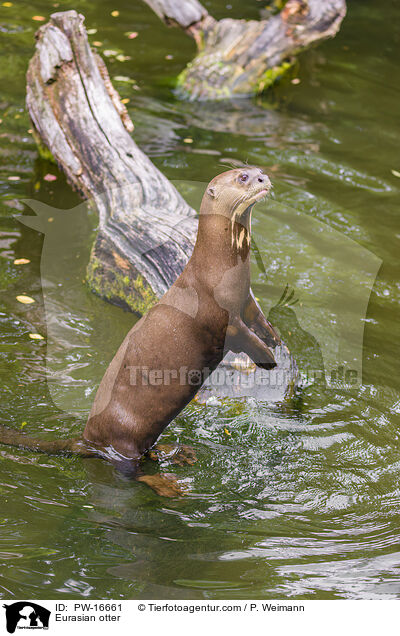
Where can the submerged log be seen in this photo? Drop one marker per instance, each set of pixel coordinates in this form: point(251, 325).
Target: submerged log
point(243, 57)
point(146, 229)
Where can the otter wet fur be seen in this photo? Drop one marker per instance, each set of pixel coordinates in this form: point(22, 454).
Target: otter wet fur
point(180, 341)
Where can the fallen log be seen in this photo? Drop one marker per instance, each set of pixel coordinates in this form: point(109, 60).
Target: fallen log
point(243, 57)
point(146, 229)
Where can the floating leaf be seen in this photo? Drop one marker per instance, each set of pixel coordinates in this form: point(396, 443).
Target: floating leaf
point(91, 31)
point(188, 140)
point(23, 424)
point(14, 178)
point(132, 34)
point(39, 18)
point(36, 336)
point(25, 300)
point(126, 100)
point(123, 58)
point(123, 78)
point(395, 173)
point(50, 177)
point(97, 43)
point(295, 80)
point(21, 261)
point(7, 4)
point(115, 14)
point(169, 57)
point(226, 431)
point(109, 52)
point(50, 219)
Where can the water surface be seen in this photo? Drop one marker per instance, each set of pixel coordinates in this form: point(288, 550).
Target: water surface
point(287, 500)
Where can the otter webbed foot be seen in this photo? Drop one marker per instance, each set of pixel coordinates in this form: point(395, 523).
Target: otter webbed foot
point(241, 338)
point(164, 484)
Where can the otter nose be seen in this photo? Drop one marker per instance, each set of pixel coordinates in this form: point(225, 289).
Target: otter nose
point(262, 178)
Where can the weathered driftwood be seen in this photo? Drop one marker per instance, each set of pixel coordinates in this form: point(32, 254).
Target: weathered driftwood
point(146, 229)
point(239, 57)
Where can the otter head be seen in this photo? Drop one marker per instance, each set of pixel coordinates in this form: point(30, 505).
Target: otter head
point(233, 193)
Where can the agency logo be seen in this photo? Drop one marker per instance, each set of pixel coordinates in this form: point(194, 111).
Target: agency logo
point(26, 615)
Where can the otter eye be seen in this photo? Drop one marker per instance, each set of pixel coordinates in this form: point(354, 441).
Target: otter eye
point(243, 177)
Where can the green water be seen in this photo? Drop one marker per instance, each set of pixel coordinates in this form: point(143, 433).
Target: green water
point(301, 499)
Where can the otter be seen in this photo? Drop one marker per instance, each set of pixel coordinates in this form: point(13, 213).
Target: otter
point(179, 342)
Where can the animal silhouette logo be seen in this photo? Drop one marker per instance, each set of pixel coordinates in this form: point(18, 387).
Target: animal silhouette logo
point(302, 344)
point(26, 615)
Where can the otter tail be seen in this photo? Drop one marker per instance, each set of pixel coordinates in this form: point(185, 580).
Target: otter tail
point(72, 446)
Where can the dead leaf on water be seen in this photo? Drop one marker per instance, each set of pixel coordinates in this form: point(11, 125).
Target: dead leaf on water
point(50, 177)
point(25, 300)
point(39, 18)
point(36, 336)
point(21, 261)
point(395, 173)
point(123, 78)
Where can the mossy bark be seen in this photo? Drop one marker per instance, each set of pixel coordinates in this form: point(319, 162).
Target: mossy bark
point(125, 287)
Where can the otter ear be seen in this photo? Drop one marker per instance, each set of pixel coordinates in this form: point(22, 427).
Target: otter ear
point(212, 192)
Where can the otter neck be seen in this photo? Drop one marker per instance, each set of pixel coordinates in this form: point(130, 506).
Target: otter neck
point(222, 236)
